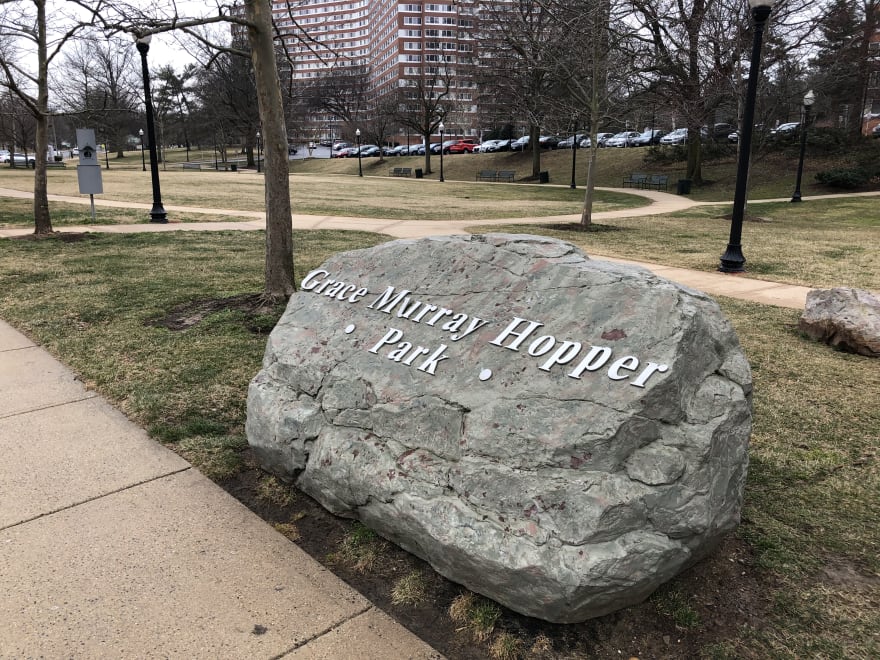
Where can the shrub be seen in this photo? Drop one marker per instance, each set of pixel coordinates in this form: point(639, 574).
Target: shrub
point(844, 177)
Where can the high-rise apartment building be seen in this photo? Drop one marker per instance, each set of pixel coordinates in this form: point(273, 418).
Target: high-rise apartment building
point(406, 49)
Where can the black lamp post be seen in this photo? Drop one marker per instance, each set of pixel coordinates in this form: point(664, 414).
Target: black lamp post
point(259, 151)
point(157, 213)
point(442, 128)
point(357, 135)
point(809, 99)
point(574, 146)
point(143, 158)
point(733, 261)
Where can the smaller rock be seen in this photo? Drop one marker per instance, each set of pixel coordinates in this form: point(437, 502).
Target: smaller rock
point(848, 319)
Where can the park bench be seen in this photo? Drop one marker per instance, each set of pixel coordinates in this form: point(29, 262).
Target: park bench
point(55, 165)
point(487, 175)
point(191, 166)
point(506, 175)
point(656, 182)
point(635, 180)
point(400, 171)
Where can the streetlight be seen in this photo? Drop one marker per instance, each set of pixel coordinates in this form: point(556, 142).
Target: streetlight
point(143, 158)
point(574, 146)
point(442, 128)
point(259, 151)
point(809, 99)
point(157, 213)
point(733, 261)
point(357, 135)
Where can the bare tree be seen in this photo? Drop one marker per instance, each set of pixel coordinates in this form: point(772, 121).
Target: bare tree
point(253, 18)
point(97, 80)
point(25, 26)
point(520, 38)
point(424, 103)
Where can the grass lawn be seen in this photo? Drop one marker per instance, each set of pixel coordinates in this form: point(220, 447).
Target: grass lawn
point(821, 243)
point(20, 213)
point(805, 581)
point(334, 194)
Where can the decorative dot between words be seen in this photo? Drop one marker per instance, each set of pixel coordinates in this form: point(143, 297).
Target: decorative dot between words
point(349, 328)
point(485, 374)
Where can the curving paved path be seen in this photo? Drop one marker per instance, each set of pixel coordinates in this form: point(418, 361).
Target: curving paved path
point(762, 291)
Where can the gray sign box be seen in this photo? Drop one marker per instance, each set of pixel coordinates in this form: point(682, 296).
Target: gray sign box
point(88, 172)
point(89, 177)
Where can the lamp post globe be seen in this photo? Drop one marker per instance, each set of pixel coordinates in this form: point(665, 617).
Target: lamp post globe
point(442, 128)
point(157, 212)
point(809, 100)
point(357, 135)
point(143, 159)
point(733, 260)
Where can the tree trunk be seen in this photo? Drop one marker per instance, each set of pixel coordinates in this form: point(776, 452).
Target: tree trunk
point(42, 221)
point(535, 142)
point(694, 160)
point(279, 229)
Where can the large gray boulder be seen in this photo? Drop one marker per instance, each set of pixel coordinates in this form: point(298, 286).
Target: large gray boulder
point(560, 434)
point(848, 319)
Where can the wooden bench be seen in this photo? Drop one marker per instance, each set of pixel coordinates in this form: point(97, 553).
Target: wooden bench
point(191, 166)
point(635, 180)
point(656, 182)
point(400, 171)
point(487, 175)
point(506, 175)
point(51, 165)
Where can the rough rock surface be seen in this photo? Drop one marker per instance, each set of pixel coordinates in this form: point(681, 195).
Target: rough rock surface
point(566, 469)
point(848, 319)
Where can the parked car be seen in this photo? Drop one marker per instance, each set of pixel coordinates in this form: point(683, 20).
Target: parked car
point(436, 148)
point(491, 146)
point(601, 139)
point(4, 155)
point(339, 146)
point(548, 141)
point(461, 147)
point(520, 144)
point(785, 130)
point(326, 143)
point(718, 132)
point(733, 137)
point(291, 149)
point(622, 139)
point(875, 132)
point(647, 138)
point(678, 136)
point(20, 159)
point(345, 152)
point(367, 150)
point(570, 141)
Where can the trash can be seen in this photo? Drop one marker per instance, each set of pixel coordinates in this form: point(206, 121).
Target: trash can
point(544, 177)
point(419, 173)
point(684, 187)
point(233, 167)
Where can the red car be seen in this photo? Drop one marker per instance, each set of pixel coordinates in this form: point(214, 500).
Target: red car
point(462, 147)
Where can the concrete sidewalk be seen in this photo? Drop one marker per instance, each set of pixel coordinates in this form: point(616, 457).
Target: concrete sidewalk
point(112, 546)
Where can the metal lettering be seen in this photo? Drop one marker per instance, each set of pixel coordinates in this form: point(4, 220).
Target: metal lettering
point(306, 284)
point(597, 357)
point(390, 337)
point(541, 345)
point(647, 372)
point(430, 364)
point(475, 324)
point(441, 312)
point(357, 295)
point(401, 350)
point(628, 362)
point(520, 336)
point(385, 302)
point(566, 352)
